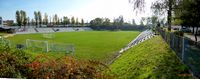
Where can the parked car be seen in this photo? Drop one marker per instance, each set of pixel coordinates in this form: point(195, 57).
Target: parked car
point(186, 30)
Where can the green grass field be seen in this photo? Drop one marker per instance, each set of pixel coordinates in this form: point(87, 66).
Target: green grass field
point(95, 45)
point(152, 59)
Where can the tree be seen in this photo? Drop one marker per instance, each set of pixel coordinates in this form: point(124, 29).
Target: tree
point(141, 23)
point(118, 21)
point(159, 7)
point(58, 21)
point(36, 18)
point(133, 22)
point(32, 22)
point(24, 18)
point(18, 18)
point(82, 22)
point(40, 18)
point(73, 21)
point(61, 21)
point(121, 20)
point(21, 18)
point(189, 14)
point(106, 22)
point(154, 20)
point(96, 22)
point(45, 20)
point(66, 20)
point(55, 19)
point(28, 21)
point(77, 22)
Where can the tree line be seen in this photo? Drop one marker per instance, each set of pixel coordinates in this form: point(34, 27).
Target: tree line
point(23, 20)
point(39, 19)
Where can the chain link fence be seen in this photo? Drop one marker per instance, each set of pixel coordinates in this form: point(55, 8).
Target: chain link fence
point(186, 49)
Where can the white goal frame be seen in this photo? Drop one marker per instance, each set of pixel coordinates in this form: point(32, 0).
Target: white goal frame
point(29, 43)
point(48, 35)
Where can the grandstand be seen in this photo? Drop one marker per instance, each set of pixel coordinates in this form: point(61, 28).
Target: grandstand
point(45, 30)
point(50, 30)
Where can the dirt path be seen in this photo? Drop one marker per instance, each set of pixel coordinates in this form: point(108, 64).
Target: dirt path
point(8, 35)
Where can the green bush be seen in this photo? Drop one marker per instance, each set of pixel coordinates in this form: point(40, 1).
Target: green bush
point(179, 33)
point(12, 62)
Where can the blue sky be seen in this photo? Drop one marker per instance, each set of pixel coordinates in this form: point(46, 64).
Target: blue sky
point(87, 9)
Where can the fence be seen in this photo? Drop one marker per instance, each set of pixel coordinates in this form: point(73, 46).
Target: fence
point(187, 50)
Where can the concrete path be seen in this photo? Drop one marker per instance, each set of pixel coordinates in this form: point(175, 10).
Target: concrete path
point(145, 35)
point(192, 37)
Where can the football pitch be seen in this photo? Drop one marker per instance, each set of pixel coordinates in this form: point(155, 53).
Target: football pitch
point(94, 45)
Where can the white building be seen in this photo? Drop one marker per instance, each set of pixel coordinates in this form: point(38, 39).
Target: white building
point(1, 22)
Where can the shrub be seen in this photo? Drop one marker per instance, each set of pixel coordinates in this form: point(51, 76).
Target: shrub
point(12, 62)
point(179, 33)
point(66, 67)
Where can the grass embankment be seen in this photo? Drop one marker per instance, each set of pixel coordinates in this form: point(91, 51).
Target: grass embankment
point(95, 45)
point(151, 59)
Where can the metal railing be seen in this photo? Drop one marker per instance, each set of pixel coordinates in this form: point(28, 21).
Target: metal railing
point(186, 49)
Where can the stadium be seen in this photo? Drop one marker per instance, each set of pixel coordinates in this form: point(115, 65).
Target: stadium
point(98, 39)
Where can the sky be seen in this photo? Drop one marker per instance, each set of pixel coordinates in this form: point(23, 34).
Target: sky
point(86, 9)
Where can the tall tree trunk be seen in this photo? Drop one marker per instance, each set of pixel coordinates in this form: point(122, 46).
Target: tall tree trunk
point(196, 34)
point(169, 17)
point(193, 29)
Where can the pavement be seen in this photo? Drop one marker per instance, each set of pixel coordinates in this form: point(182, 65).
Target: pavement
point(192, 37)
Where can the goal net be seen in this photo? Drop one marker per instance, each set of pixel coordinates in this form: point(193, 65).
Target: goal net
point(67, 48)
point(37, 45)
point(48, 35)
point(44, 46)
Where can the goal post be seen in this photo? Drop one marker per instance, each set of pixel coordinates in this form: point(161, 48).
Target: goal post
point(67, 48)
point(48, 35)
point(44, 46)
point(37, 45)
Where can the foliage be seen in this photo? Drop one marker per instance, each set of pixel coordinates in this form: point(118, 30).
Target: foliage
point(55, 19)
point(36, 18)
point(77, 22)
point(19, 64)
point(189, 13)
point(82, 22)
point(12, 62)
point(179, 33)
point(18, 18)
point(159, 7)
point(21, 18)
point(118, 21)
point(40, 18)
point(66, 20)
point(66, 67)
point(117, 24)
point(45, 20)
point(73, 21)
point(96, 22)
point(152, 59)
